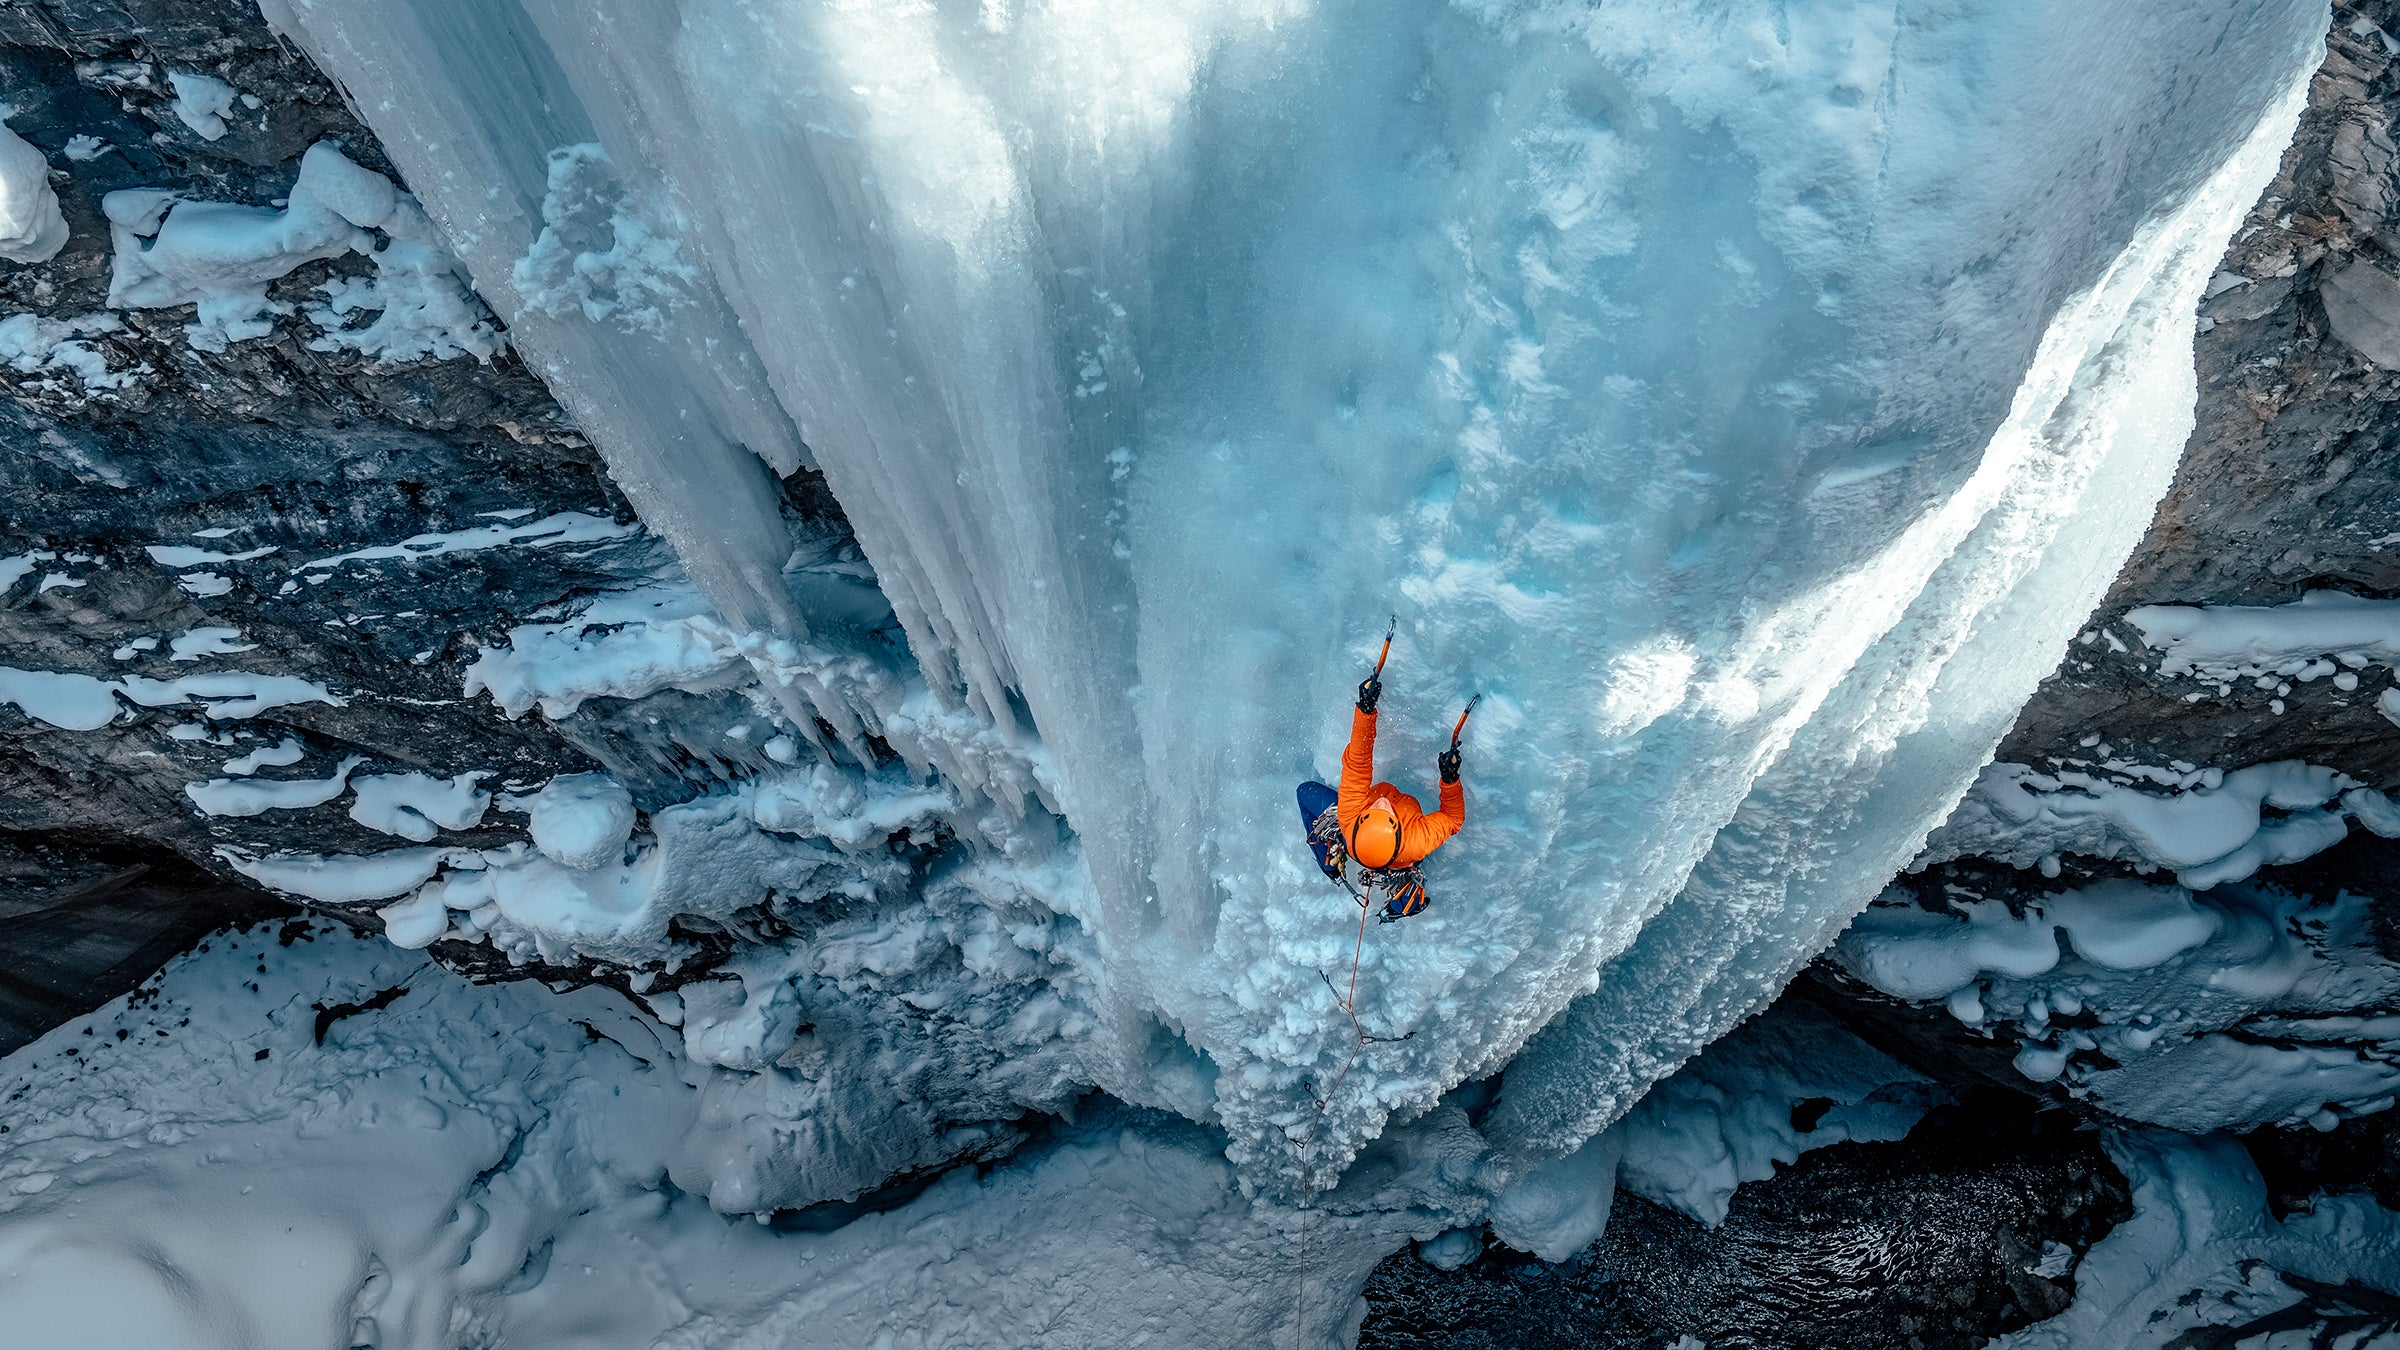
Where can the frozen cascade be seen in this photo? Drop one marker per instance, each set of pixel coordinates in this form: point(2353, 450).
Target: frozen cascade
point(1749, 397)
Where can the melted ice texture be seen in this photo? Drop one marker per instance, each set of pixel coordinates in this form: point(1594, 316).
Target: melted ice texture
point(1748, 397)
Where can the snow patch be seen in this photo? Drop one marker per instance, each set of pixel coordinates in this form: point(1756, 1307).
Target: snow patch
point(285, 752)
point(31, 344)
point(582, 820)
point(343, 878)
point(418, 806)
point(566, 527)
point(2197, 1012)
point(2215, 832)
point(2318, 635)
point(31, 228)
point(256, 796)
point(221, 257)
point(204, 642)
point(87, 703)
point(184, 555)
point(202, 102)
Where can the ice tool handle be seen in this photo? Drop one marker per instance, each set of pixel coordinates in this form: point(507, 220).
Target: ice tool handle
point(1386, 655)
point(1460, 729)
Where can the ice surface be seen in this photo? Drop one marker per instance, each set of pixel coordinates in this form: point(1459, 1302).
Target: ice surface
point(1751, 399)
point(1728, 1117)
point(596, 255)
point(1561, 1207)
point(31, 228)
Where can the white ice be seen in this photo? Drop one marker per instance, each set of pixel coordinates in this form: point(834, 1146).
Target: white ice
point(2198, 1012)
point(31, 228)
point(261, 1161)
point(87, 702)
point(222, 256)
point(256, 796)
point(2201, 1253)
point(202, 102)
point(1750, 398)
point(32, 344)
point(2223, 828)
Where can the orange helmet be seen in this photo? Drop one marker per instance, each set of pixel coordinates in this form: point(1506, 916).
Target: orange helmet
point(1375, 839)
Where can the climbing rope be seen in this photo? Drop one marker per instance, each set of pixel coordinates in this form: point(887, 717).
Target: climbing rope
point(1308, 1145)
point(1349, 1006)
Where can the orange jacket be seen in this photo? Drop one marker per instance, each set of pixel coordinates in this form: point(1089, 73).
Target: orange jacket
point(1420, 834)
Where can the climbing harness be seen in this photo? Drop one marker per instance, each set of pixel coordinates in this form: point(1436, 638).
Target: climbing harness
point(1326, 833)
point(1407, 887)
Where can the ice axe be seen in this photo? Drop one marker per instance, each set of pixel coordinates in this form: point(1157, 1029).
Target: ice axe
point(1389, 629)
point(1460, 729)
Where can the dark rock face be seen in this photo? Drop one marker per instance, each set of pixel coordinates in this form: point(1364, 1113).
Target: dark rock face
point(2291, 481)
point(1923, 1244)
point(266, 445)
point(87, 917)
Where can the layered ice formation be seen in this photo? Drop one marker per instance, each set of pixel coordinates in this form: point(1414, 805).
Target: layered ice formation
point(1750, 399)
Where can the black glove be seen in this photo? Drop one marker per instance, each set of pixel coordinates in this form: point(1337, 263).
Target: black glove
point(1369, 690)
point(1449, 763)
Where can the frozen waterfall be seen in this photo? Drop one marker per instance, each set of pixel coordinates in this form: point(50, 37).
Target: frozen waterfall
point(1750, 397)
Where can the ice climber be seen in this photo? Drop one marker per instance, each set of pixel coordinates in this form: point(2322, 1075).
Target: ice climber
point(1376, 825)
